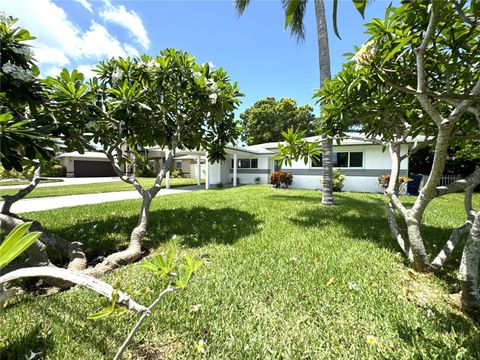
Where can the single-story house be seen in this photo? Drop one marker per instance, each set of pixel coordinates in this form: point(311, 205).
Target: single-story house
point(361, 161)
point(96, 164)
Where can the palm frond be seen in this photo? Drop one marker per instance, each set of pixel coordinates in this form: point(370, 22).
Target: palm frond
point(240, 6)
point(295, 13)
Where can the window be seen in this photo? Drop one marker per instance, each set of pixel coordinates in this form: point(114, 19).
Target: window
point(246, 164)
point(178, 164)
point(356, 159)
point(342, 159)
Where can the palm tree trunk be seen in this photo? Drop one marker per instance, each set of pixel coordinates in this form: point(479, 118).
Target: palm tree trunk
point(324, 63)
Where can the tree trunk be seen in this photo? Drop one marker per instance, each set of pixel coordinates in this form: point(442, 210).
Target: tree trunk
point(134, 249)
point(324, 64)
point(9, 200)
point(468, 272)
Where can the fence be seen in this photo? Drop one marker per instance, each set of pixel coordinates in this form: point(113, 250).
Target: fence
point(448, 179)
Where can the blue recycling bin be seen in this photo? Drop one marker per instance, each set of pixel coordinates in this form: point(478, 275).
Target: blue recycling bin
point(414, 186)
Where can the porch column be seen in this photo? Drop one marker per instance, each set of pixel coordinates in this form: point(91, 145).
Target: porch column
point(207, 172)
point(199, 170)
point(167, 175)
point(235, 165)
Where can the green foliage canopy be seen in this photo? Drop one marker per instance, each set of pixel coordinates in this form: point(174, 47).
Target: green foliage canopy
point(26, 130)
point(168, 100)
point(267, 118)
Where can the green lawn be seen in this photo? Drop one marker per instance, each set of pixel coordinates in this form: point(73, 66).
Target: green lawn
point(268, 291)
point(95, 188)
point(26, 182)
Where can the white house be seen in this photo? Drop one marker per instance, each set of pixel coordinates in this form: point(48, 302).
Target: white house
point(361, 161)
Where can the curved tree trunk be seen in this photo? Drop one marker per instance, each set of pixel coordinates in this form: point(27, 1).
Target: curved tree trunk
point(9, 200)
point(468, 272)
point(324, 64)
point(133, 251)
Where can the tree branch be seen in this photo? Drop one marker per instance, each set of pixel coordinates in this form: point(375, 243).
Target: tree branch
point(9, 200)
point(89, 282)
point(134, 330)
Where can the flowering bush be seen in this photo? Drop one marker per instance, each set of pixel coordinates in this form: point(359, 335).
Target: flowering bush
point(281, 179)
point(385, 179)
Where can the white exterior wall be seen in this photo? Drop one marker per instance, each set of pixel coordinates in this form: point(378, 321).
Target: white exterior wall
point(248, 176)
point(365, 179)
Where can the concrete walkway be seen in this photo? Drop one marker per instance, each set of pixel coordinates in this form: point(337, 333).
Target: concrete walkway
point(66, 181)
point(56, 202)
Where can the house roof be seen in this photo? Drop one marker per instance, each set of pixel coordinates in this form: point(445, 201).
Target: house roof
point(359, 139)
point(86, 154)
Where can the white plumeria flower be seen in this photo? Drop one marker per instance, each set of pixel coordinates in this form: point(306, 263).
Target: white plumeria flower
point(32, 355)
point(213, 98)
point(117, 75)
point(353, 286)
point(196, 308)
point(201, 346)
point(210, 65)
point(18, 72)
point(23, 50)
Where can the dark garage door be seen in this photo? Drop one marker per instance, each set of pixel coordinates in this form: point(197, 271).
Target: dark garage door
point(92, 168)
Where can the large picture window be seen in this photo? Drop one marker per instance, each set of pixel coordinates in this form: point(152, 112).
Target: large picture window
point(341, 159)
point(246, 164)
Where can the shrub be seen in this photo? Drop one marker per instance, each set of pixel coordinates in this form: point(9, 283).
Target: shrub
point(281, 179)
point(53, 170)
point(385, 179)
point(176, 173)
point(220, 185)
point(338, 180)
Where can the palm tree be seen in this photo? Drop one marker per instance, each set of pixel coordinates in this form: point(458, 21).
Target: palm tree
point(295, 14)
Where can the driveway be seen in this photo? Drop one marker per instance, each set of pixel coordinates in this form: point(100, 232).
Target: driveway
point(68, 181)
point(56, 202)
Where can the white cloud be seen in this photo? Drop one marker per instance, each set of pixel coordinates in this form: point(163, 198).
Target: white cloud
point(87, 70)
point(52, 71)
point(86, 5)
point(59, 41)
point(127, 19)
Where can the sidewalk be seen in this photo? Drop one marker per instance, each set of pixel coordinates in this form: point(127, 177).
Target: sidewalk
point(66, 181)
point(56, 202)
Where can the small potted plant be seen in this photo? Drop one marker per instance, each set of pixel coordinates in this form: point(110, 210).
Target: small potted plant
point(257, 180)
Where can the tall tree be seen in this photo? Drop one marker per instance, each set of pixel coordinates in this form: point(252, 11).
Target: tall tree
point(294, 19)
point(267, 118)
point(168, 101)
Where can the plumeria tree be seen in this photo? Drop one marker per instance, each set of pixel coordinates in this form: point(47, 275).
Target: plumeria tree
point(168, 101)
point(428, 52)
point(26, 130)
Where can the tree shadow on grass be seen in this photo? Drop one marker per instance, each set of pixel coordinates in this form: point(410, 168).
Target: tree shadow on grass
point(444, 323)
point(196, 226)
point(35, 340)
point(364, 217)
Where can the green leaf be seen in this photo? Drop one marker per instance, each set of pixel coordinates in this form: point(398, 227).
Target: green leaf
point(106, 311)
point(5, 117)
point(360, 5)
point(292, 7)
point(16, 243)
point(335, 28)
point(400, 45)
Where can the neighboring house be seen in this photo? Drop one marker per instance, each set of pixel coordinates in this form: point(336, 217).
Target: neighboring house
point(96, 164)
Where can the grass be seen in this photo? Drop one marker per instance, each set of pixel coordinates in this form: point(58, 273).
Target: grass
point(277, 285)
point(26, 182)
point(96, 188)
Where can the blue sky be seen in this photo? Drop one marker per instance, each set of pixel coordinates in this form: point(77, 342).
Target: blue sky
point(254, 48)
